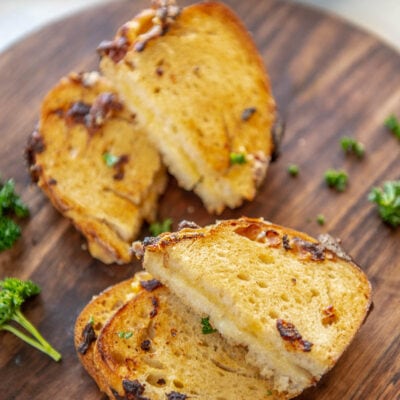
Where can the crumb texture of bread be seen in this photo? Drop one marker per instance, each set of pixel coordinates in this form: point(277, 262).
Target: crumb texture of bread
point(95, 164)
point(202, 93)
point(294, 303)
point(155, 344)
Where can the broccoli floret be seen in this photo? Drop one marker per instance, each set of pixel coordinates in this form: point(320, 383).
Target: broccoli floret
point(13, 294)
point(10, 203)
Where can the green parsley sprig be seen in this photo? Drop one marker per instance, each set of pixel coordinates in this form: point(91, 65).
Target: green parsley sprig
point(293, 170)
point(237, 158)
point(13, 293)
point(125, 335)
point(156, 228)
point(393, 124)
point(351, 145)
point(388, 202)
point(206, 327)
point(336, 179)
point(110, 159)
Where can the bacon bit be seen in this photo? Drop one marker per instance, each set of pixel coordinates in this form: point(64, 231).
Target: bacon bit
point(166, 13)
point(150, 285)
point(333, 245)
point(251, 231)
point(115, 49)
point(88, 336)
point(329, 315)
point(308, 250)
point(273, 238)
point(35, 146)
point(174, 332)
point(78, 112)
point(286, 242)
point(155, 303)
point(103, 107)
point(290, 334)
point(187, 224)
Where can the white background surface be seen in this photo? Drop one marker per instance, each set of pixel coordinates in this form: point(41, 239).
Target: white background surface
point(19, 17)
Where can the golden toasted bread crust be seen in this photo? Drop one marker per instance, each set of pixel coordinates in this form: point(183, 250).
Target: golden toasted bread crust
point(95, 165)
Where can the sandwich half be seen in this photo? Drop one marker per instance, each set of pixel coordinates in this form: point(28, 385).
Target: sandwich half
point(293, 301)
point(95, 164)
point(198, 85)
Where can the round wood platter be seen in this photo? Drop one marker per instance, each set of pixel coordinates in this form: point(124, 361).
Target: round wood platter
point(330, 79)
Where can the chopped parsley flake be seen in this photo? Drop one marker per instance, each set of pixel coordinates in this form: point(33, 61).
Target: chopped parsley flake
point(237, 158)
point(293, 170)
point(91, 320)
point(321, 219)
point(125, 335)
point(156, 228)
point(350, 145)
point(110, 159)
point(206, 327)
point(388, 202)
point(393, 124)
point(336, 179)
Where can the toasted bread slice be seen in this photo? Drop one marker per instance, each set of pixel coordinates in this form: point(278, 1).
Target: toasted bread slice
point(95, 164)
point(199, 86)
point(95, 315)
point(295, 302)
point(154, 347)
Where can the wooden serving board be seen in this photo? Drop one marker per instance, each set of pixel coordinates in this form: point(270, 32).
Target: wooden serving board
point(330, 79)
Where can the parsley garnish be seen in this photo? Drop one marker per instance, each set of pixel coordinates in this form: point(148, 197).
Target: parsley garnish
point(206, 327)
point(321, 219)
point(293, 169)
point(10, 203)
point(237, 158)
point(393, 124)
point(110, 159)
point(388, 202)
point(350, 145)
point(336, 179)
point(125, 335)
point(159, 227)
point(91, 320)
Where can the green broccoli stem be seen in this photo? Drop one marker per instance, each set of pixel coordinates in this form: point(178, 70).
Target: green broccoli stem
point(40, 343)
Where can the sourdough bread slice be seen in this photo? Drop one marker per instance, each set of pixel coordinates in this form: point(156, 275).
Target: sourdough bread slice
point(295, 302)
point(94, 163)
point(153, 348)
point(96, 313)
point(199, 87)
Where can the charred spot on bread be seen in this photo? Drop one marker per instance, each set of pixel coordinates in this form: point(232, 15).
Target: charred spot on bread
point(150, 285)
point(103, 107)
point(88, 336)
point(155, 303)
point(248, 113)
point(307, 249)
point(286, 242)
point(278, 131)
point(176, 396)
point(119, 166)
point(78, 112)
point(145, 345)
point(187, 224)
point(133, 390)
point(34, 146)
point(291, 335)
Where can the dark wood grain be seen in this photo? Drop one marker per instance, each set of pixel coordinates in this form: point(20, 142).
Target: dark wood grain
point(330, 79)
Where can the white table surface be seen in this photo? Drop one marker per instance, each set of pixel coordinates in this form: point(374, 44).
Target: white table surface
point(19, 17)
